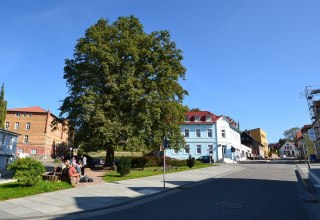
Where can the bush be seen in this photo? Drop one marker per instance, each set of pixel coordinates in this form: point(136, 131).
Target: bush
point(123, 165)
point(139, 162)
point(178, 163)
point(27, 171)
point(191, 161)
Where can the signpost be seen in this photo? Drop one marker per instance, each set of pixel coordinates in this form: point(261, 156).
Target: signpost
point(165, 146)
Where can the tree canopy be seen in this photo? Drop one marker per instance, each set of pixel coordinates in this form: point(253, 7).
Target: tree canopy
point(291, 134)
point(3, 107)
point(124, 89)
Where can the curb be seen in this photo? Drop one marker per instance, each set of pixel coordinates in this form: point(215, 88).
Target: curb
point(77, 215)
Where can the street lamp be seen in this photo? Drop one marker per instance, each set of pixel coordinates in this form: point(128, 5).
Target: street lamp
point(70, 152)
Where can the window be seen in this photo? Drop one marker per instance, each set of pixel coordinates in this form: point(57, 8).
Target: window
point(198, 132)
point(7, 125)
point(16, 126)
point(186, 133)
point(24, 114)
point(11, 143)
point(208, 118)
point(223, 133)
point(186, 149)
point(33, 151)
point(210, 149)
point(175, 151)
point(198, 149)
point(210, 133)
point(186, 118)
point(197, 118)
point(29, 115)
point(25, 139)
point(3, 141)
point(28, 126)
point(18, 114)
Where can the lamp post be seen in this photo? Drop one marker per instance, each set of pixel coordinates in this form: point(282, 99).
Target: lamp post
point(70, 152)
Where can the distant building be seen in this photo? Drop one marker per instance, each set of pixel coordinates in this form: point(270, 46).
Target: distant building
point(8, 147)
point(288, 149)
point(261, 136)
point(38, 136)
point(254, 145)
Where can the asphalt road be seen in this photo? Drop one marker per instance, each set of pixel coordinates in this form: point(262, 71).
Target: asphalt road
point(261, 191)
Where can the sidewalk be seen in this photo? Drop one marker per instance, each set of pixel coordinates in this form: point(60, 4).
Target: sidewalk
point(310, 177)
point(104, 195)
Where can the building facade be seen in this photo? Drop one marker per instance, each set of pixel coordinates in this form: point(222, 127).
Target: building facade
point(261, 136)
point(8, 147)
point(254, 145)
point(199, 131)
point(207, 134)
point(288, 149)
point(41, 131)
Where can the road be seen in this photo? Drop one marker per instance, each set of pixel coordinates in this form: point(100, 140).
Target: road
point(260, 191)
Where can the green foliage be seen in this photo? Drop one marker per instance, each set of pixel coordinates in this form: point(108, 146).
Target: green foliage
point(139, 162)
point(191, 162)
point(27, 171)
point(123, 166)
point(3, 108)
point(124, 91)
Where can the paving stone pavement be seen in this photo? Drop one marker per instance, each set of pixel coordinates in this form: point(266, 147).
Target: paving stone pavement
point(104, 195)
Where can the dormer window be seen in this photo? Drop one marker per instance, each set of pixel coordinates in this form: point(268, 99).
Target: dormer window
point(186, 118)
point(208, 118)
point(197, 118)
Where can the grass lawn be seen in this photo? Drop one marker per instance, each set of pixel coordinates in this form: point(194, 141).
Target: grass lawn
point(112, 176)
point(15, 190)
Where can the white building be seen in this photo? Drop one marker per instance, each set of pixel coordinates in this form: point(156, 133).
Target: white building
point(228, 136)
point(289, 150)
point(8, 147)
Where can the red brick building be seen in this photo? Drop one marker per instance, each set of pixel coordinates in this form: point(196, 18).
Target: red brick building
point(38, 136)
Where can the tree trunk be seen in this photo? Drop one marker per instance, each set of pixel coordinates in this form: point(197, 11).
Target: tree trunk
point(109, 156)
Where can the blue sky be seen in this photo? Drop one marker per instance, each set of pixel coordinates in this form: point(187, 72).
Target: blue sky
point(247, 59)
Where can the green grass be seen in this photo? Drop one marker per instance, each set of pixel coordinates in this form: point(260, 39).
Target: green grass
point(112, 176)
point(15, 190)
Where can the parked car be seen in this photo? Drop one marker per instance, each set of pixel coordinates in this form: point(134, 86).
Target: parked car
point(206, 159)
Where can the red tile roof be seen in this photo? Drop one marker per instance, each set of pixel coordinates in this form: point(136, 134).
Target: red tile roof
point(35, 109)
point(202, 114)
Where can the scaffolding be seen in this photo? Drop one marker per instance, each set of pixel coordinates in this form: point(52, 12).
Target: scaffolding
point(312, 94)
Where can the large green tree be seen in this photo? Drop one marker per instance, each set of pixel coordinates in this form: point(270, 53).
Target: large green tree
point(3, 107)
point(124, 90)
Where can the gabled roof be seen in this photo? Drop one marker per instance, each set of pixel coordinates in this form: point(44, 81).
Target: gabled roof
point(203, 117)
point(35, 109)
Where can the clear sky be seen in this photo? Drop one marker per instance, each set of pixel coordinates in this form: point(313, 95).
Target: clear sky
point(247, 59)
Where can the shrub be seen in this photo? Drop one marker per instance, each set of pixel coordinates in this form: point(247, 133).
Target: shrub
point(27, 171)
point(178, 163)
point(139, 162)
point(123, 165)
point(191, 162)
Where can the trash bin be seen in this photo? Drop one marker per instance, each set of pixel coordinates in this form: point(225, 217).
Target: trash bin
point(313, 157)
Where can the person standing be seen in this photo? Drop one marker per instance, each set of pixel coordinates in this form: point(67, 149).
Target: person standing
point(84, 164)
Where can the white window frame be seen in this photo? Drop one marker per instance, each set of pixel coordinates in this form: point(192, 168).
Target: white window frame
point(209, 132)
point(175, 151)
point(18, 114)
point(185, 132)
point(198, 129)
point(186, 147)
point(3, 140)
point(197, 118)
point(223, 133)
point(210, 145)
point(7, 125)
point(16, 126)
point(33, 151)
point(26, 139)
point(198, 147)
point(28, 125)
